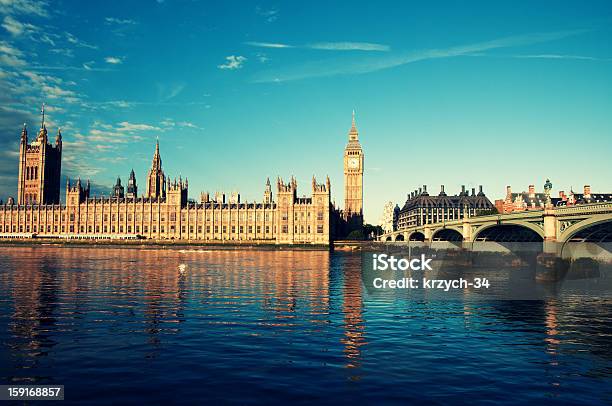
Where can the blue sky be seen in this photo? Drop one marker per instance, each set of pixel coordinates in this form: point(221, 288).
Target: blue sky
point(492, 93)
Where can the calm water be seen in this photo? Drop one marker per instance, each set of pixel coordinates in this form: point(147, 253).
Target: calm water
point(123, 325)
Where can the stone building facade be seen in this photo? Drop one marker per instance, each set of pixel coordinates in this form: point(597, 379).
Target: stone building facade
point(422, 208)
point(532, 200)
point(165, 213)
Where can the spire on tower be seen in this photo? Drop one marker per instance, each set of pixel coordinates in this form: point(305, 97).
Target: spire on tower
point(42, 112)
point(24, 133)
point(353, 133)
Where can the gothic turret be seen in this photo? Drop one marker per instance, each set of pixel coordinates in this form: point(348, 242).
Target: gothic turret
point(268, 192)
point(118, 190)
point(156, 180)
point(58, 139)
point(132, 188)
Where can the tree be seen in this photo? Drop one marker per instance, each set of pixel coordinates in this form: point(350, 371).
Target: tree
point(355, 235)
point(371, 231)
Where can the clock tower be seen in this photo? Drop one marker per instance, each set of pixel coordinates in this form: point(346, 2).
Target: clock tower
point(353, 179)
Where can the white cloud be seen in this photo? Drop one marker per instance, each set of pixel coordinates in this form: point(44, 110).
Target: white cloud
point(114, 60)
point(270, 15)
point(10, 56)
point(561, 56)
point(233, 62)
point(69, 53)
point(168, 124)
point(268, 44)
point(326, 46)
point(349, 46)
point(34, 7)
point(368, 64)
point(17, 28)
point(119, 21)
point(9, 49)
point(74, 40)
point(125, 126)
point(168, 91)
point(56, 92)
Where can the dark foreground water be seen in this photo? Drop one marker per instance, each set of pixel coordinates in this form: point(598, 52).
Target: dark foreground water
point(127, 326)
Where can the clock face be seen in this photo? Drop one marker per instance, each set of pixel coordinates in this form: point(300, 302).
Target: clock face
point(353, 163)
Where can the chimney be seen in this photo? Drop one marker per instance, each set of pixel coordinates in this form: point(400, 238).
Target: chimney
point(587, 191)
point(420, 191)
point(562, 195)
point(473, 191)
point(480, 193)
point(424, 188)
point(441, 188)
point(508, 190)
point(531, 191)
point(462, 189)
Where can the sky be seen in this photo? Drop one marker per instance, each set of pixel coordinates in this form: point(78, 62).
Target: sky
point(454, 93)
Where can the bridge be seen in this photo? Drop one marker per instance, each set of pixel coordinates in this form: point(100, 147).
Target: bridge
point(554, 227)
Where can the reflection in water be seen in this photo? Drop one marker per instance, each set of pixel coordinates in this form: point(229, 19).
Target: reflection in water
point(282, 324)
point(352, 306)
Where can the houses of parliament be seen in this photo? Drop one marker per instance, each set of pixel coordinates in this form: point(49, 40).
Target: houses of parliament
point(164, 212)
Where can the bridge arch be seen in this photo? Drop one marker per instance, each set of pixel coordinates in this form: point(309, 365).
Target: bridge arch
point(509, 232)
point(596, 229)
point(447, 234)
point(416, 236)
point(389, 238)
point(399, 237)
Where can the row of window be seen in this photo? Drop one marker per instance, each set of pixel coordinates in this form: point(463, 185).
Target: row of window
point(145, 229)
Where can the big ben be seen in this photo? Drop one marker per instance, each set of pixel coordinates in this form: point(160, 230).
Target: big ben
point(353, 179)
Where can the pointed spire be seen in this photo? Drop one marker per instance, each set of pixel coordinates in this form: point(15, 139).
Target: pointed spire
point(42, 134)
point(42, 112)
point(24, 133)
point(353, 133)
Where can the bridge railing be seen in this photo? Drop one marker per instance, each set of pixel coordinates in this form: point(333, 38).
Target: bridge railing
point(591, 208)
